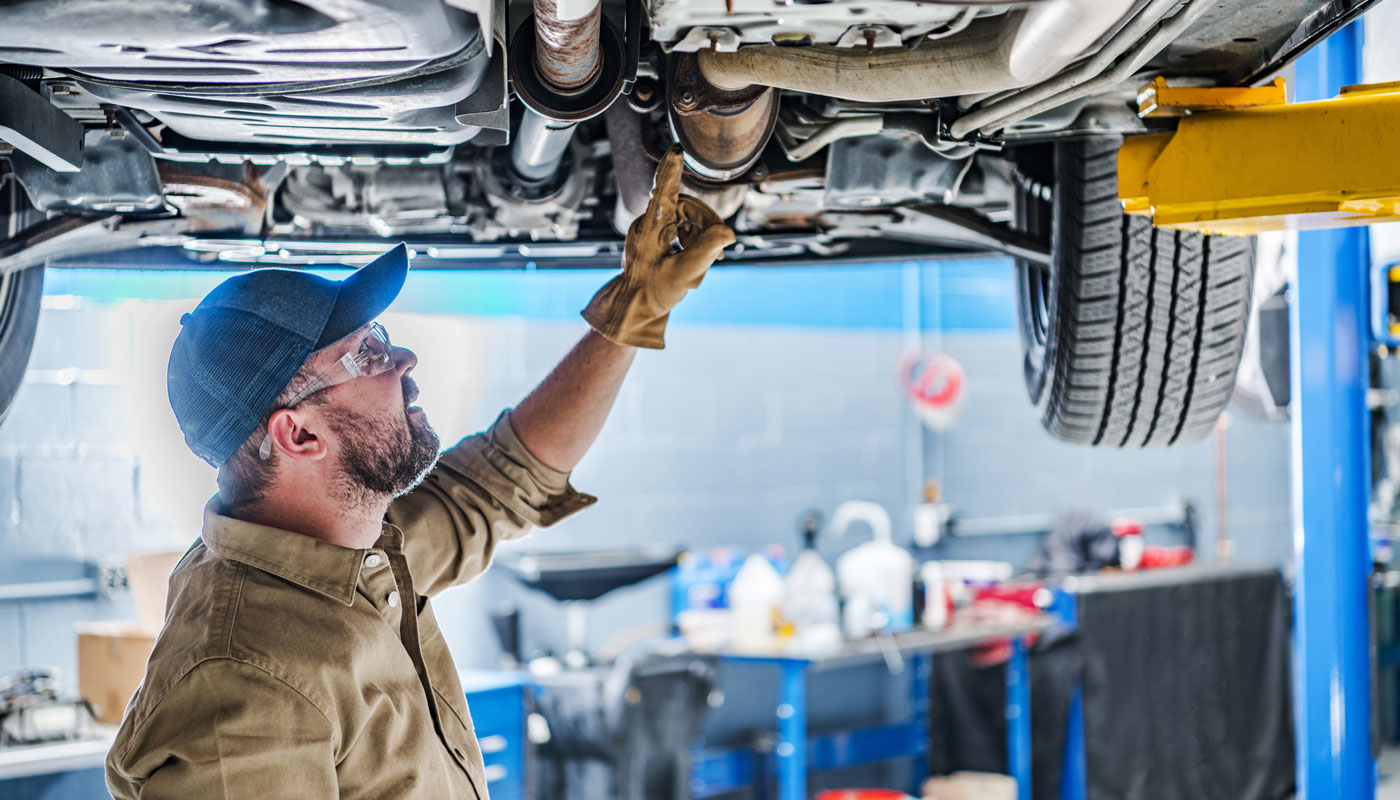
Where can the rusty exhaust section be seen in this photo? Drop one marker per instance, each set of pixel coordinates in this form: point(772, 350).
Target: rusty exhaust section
point(568, 61)
point(566, 42)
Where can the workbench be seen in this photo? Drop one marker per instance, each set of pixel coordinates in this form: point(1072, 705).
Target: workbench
point(65, 769)
point(717, 771)
point(22, 761)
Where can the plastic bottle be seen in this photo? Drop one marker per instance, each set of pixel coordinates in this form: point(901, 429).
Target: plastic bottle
point(809, 596)
point(1130, 543)
point(754, 598)
point(937, 600)
point(876, 578)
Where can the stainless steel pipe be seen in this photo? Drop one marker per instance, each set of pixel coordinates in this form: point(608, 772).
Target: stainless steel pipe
point(539, 145)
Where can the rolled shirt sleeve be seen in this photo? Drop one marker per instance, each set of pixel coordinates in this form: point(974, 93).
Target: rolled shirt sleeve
point(228, 730)
point(487, 488)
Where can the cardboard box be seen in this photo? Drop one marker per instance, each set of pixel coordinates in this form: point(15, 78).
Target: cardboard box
point(112, 656)
point(111, 663)
point(970, 786)
point(148, 575)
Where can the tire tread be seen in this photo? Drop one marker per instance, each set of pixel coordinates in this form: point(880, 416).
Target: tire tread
point(1148, 324)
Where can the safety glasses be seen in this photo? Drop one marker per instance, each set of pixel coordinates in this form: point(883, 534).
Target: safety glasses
point(374, 356)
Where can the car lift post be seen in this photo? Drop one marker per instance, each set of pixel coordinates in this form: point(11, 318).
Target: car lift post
point(1242, 161)
point(1331, 442)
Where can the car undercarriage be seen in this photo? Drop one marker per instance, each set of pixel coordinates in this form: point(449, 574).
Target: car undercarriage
point(495, 135)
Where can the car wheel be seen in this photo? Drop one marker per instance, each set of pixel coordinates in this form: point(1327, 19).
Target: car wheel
point(20, 294)
point(1133, 335)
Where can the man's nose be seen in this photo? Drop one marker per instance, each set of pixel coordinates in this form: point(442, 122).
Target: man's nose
point(404, 360)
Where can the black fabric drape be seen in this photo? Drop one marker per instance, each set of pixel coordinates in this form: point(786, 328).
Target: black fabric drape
point(1187, 695)
point(967, 727)
point(1187, 690)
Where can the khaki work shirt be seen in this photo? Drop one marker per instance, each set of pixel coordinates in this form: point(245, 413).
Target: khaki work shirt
point(289, 667)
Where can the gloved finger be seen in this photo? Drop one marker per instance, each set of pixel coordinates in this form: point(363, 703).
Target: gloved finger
point(690, 265)
point(712, 241)
point(697, 212)
point(667, 186)
point(694, 217)
point(670, 232)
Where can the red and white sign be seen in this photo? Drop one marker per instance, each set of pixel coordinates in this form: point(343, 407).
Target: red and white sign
point(934, 383)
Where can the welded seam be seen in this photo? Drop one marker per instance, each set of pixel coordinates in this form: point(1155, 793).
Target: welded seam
point(1146, 334)
point(1118, 332)
point(1171, 330)
point(1200, 334)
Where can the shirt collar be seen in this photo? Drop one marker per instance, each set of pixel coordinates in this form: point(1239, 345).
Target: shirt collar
point(311, 563)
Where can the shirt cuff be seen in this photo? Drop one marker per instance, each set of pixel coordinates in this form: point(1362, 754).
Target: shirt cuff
point(500, 463)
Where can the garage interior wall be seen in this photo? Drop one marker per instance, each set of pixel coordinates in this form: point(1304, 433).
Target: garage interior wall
point(999, 461)
point(777, 393)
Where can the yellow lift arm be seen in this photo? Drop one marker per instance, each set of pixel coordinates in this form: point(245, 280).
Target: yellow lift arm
point(1261, 164)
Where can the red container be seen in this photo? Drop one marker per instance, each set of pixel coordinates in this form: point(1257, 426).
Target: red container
point(1157, 556)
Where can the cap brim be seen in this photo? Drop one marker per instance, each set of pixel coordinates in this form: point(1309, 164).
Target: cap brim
point(365, 294)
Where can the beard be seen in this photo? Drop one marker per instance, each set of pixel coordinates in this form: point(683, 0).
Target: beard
point(380, 460)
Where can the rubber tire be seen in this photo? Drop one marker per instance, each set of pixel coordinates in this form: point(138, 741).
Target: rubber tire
point(20, 295)
point(1135, 338)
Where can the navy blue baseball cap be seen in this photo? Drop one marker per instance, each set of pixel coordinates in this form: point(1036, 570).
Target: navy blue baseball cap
point(248, 337)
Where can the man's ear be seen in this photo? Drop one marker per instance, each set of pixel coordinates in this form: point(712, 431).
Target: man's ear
point(292, 438)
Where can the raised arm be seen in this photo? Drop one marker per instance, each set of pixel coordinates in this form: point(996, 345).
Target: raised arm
point(560, 419)
point(562, 416)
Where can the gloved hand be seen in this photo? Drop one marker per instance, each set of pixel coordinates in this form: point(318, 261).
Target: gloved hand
point(632, 308)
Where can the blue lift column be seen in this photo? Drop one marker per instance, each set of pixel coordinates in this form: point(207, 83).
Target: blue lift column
point(1331, 445)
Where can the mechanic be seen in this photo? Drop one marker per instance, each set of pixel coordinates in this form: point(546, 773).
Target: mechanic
point(300, 657)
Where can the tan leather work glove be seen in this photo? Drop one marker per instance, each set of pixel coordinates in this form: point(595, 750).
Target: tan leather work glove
point(633, 308)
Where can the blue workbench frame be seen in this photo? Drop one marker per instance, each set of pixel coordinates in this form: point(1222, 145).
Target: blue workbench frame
point(1330, 348)
point(720, 771)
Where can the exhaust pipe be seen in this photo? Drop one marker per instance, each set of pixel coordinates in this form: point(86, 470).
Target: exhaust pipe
point(566, 41)
point(566, 66)
point(539, 146)
point(991, 55)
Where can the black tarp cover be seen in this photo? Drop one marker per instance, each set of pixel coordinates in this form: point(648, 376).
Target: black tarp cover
point(1186, 695)
point(1187, 690)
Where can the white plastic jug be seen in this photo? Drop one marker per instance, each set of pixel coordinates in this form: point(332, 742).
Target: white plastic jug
point(809, 604)
point(754, 598)
point(876, 578)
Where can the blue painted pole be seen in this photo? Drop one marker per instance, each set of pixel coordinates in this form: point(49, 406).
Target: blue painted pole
point(1332, 687)
point(1074, 773)
point(1074, 776)
point(921, 670)
point(792, 731)
point(1018, 718)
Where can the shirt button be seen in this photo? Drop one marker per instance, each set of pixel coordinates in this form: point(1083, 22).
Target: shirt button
point(373, 560)
point(393, 599)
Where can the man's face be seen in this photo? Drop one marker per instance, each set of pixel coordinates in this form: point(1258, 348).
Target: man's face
point(386, 446)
